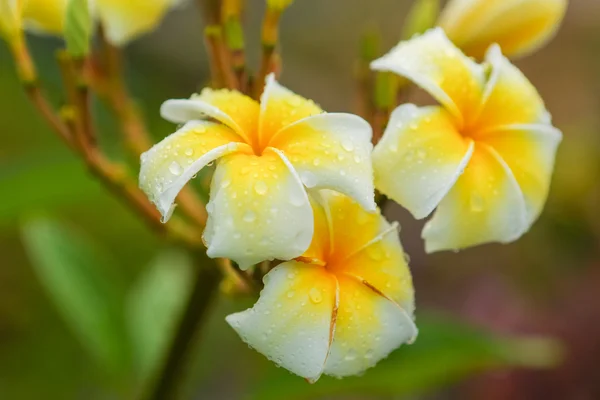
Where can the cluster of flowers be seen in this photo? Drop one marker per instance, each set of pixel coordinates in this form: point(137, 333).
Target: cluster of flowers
point(297, 184)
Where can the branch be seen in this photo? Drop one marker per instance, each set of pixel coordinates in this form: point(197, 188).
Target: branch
point(205, 288)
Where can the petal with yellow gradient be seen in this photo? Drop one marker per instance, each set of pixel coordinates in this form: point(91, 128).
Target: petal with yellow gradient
point(331, 151)
point(529, 151)
point(439, 67)
point(46, 16)
point(124, 21)
point(232, 108)
point(320, 246)
point(258, 210)
point(170, 164)
point(518, 26)
point(485, 205)
point(509, 98)
point(420, 157)
point(368, 328)
point(280, 107)
point(292, 322)
point(382, 265)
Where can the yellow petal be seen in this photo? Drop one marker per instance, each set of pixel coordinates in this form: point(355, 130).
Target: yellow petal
point(518, 26)
point(230, 107)
point(320, 245)
point(509, 98)
point(10, 19)
point(292, 320)
point(280, 107)
point(435, 64)
point(258, 210)
point(381, 264)
point(485, 205)
point(419, 158)
point(351, 226)
point(368, 327)
point(170, 164)
point(529, 151)
point(46, 16)
point(126, 20)
point(331, 151)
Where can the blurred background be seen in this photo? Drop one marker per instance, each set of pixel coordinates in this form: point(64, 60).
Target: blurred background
point(518, 321)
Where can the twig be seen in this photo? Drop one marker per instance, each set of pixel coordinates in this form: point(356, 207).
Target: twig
point(270, 38)
point(203, 293)
point(107, 81)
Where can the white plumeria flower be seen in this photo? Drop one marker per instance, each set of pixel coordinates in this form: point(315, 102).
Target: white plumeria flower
point(518, 26)
point(268, 154)
point(344, 306)
point(484, 157)
point(123, 20)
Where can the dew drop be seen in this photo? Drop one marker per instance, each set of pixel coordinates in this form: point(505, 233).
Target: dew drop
point(189, 152)
point(315, 295)
point(351, 355)
point(290, 294)
point(347, 145)
point(175, 168)
point(476, 202)
point(249, 216)
point(261, 188)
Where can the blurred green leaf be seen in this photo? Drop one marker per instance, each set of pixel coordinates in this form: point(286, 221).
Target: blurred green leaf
point(78, 28)
point(39, 181)
point(154, 306)
point(421, 17)
point(73, 271)
point(444, 352)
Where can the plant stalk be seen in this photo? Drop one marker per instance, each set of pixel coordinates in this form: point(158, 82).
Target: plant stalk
point(203, 294)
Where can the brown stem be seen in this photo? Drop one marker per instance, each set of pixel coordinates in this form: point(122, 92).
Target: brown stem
point(270, 37)
point(107, 82)
point(203, 293)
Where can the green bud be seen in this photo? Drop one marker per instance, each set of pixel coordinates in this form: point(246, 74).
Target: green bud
point(78, 28)
point(421, 17)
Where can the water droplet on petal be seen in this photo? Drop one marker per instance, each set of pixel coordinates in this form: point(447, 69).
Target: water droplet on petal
point(315, 295)
point(249, 216)
point(261, 188)
point(347, 145)
point(290, 294)
point(175, 168)
point(476, 202)
point(189, 152)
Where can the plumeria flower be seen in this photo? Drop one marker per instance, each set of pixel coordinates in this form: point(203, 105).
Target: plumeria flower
point(518, 26)
point(344, 305)
point(268, 155)
point(483, 157)
point(122, 20)
point(44, 16)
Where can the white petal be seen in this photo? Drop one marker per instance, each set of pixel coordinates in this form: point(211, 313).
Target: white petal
point(170, 164)
point(258, 210)
point(331, 151)
point(291, 324)
point(419, 158)
point(368, 328)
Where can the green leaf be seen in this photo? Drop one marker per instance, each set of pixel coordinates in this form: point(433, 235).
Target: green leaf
point(78, 28)
point(39, 181)
point(154, 306)
point(74, 273)
point(444, 352)
point(421, 17)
